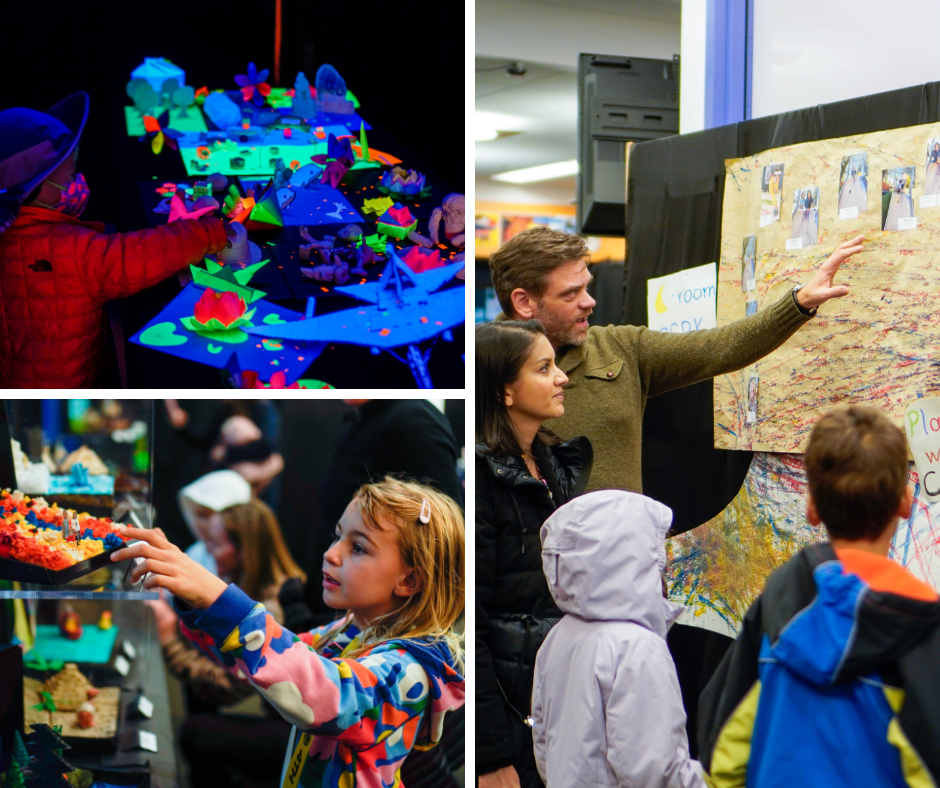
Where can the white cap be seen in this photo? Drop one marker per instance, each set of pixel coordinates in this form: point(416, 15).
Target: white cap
point(217, 491)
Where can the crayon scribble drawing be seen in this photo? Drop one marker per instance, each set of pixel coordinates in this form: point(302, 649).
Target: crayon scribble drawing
point(878, 344)
point(718, 569)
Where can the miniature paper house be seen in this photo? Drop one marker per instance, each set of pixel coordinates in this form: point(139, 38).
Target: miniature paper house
point(303, 105)
point(156, 70)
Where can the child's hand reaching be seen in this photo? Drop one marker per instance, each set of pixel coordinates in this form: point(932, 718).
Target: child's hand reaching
point(170, 568)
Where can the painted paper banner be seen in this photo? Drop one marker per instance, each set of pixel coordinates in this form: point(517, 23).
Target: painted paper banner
point(718, 569)
point(922, 427)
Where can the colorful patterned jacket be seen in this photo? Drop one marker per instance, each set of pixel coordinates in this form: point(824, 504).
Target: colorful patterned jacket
point(833, 680)
point(363, 715)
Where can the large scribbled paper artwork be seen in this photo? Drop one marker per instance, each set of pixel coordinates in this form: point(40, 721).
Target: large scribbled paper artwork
point(878, 345)
point(718, 569)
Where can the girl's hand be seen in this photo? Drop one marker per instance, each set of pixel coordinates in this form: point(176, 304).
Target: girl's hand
point(169, 568)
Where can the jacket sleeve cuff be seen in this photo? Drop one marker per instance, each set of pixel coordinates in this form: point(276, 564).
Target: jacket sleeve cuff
point(226, 613)
point(786, 313)
point(492, 764)
point(803, 311)
point(218, 239)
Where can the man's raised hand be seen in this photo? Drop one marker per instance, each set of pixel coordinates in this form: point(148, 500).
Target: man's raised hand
point(820, 288)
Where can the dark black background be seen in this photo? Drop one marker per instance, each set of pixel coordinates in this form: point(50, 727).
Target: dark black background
point(404, 62)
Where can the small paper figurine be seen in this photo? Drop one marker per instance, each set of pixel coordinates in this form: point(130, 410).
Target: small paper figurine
point(143, 95)
point(420, 260)
point(282, 174)
point(217, 314)
point(167, 89)
point(156, 70)
point(377, 205)
point(405, 184)
point(266, 212)
point(303, 105)
point(222, 111)
point(105, 623)
point(249, 379)
point(48, 767)
point(253, 85)
point(183, 97)
point(222, 278)
point(236, 207)
point(86, 715)
point(242, 251)
point(331, 91)
point(70, 624)
point(363, 142)
point(396, 222)
point(453, 213)
point(178, 210)
point(46, 702)
point(337, 161)
point(13, 776)
point(79, 475)
point(158, 132)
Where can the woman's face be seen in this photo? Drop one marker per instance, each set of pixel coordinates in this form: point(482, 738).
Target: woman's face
point(536, 394)
point(200, 516)
point(221, 547)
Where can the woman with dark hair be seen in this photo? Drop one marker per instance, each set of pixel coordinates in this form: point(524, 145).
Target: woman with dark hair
point(523, 472)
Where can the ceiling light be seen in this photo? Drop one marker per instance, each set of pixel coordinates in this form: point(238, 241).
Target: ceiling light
point(483, 134)
point(543, 172)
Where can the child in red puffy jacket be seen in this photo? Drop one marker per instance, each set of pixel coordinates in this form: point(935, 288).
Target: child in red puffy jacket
point(56, 271)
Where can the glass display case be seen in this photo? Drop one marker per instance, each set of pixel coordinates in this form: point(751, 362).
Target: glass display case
point(70, 469)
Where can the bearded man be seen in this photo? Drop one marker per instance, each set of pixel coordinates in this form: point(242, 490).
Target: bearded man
point(543, 274)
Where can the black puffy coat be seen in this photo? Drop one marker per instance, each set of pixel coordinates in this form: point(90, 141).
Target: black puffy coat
point(514, 608)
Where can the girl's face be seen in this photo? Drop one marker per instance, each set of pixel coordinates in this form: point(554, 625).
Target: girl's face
point(221, 547)
point(537, 394)
point(363, 570)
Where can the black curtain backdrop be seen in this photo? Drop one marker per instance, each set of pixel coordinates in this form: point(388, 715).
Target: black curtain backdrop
point(404, 62)
point(673, 219)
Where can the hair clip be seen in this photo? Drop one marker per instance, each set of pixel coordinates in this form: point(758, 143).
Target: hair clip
point(425, 516)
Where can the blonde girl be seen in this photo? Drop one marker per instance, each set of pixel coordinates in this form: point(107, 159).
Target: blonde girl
point(366, 690)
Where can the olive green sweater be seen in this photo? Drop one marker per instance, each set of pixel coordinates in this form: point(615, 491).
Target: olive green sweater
point(613, 373)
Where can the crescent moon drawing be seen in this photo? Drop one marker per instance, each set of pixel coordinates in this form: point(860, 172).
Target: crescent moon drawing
point(660, 306)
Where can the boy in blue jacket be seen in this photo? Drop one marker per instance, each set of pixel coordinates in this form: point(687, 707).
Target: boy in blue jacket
point(834, 678)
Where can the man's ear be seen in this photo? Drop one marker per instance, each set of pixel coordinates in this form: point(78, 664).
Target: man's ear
point(522, 304)
point(410, 585)
point(811, 514)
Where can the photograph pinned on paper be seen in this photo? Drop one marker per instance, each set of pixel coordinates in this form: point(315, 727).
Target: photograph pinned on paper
point(853, 186)
point(750, 308)
point(771, 194)
point(897, 202)
point(932, 182)
point(804, 226)
point(752, 384)
point(748, 262)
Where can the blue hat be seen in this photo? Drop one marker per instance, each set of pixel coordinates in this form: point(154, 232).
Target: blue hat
point(32, 145)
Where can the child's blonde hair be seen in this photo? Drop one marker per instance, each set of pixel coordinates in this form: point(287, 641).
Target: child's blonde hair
point(434, 548)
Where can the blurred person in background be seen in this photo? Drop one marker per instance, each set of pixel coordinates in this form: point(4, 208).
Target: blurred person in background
point(243, 448)
point(246, 545)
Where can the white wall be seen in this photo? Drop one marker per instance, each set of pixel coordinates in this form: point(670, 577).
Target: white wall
point(553, 34)
point(692, 74)
point(809, 52)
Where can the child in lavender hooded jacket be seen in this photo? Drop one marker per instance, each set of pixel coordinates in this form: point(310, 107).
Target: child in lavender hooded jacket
point(606, 705)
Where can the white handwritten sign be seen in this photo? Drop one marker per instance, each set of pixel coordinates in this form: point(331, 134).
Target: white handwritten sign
point(684, 301)
point(922, 428)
